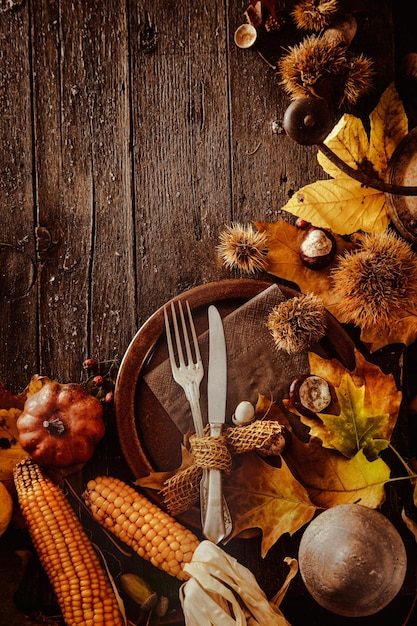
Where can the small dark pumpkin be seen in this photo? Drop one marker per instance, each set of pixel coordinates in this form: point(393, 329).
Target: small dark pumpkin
point(61, 425)
point(352, 560)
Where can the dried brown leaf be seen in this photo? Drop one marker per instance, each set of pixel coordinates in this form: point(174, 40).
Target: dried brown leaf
point(266, 497)
point(284, 260)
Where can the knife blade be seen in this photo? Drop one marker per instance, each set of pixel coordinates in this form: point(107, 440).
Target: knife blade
point(217, 522)
point(217, 370)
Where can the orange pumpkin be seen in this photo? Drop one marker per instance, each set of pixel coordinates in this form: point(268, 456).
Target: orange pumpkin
point(61, 425)
point(6, 508)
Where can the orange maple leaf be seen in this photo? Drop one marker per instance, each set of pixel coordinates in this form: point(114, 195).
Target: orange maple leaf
point(328, 476)
point(369, 401)
point(284, 260)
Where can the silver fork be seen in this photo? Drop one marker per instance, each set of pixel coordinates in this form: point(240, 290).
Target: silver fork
point(189, 376)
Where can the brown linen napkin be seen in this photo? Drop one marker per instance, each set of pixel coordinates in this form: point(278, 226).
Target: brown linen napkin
point(254, 365)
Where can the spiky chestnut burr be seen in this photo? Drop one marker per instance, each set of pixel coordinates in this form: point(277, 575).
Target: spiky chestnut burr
point(315, 15)
point(297, 323)
point(243, 248)
point(317, 68)
point(375, 280)
point(308, 67)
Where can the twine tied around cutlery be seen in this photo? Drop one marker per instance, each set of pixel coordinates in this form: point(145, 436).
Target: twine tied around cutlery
point(182, 490)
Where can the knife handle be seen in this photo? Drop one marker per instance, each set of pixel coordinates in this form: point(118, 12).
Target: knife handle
point(217, 522)
point(214, 524)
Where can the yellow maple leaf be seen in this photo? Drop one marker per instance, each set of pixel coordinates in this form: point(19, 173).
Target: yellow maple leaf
point(343, 204)
point(389, 125)
point(332, 479)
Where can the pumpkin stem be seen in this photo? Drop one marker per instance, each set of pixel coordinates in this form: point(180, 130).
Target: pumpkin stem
point(54, 427)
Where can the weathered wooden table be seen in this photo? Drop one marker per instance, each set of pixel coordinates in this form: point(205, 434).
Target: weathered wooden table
point(131, 134)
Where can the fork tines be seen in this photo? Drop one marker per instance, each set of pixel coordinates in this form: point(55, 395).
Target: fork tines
point(182, 338)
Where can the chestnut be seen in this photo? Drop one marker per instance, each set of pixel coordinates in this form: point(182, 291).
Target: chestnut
point(342, 32)
point(310, 394)
point(317, 248)
point(352, 560)
point(308, 121)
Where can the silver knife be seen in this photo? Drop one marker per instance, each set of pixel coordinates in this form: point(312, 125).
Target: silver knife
point(217, 523)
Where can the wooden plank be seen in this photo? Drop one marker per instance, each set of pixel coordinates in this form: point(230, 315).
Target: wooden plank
point(267, 166)
point(181, 144)
point(18, 312)
point(112, 271)
point(83, 183)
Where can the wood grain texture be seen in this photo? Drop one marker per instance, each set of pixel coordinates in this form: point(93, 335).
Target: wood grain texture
point(18, 315)
point(181, 144)
point(139, 131)
point(84, 183)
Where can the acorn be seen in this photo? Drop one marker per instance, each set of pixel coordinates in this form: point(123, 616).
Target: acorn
point(308, 121)
point(310, 394)
point(245, 36)
point(352, 560)
point(317, 248)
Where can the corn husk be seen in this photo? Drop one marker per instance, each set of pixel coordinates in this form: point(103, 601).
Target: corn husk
point(222, 592)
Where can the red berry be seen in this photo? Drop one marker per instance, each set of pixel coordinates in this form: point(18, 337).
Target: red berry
point(300, 223)
point(89, 364)
point(109, 397)
point(98, 380)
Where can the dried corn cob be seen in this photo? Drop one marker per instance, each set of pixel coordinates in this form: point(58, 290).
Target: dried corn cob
point(149, 531)
point(82, 587)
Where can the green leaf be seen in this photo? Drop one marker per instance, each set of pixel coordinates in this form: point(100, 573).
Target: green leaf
point(329, 477)
point(355, 428)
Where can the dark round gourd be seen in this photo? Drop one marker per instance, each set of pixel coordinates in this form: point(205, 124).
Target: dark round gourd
point(352, 560)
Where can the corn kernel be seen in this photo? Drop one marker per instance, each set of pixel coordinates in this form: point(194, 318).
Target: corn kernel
point(134, 516)
point(118, 501)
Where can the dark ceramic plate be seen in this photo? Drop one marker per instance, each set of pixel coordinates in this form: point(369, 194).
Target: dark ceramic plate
point(149, 439)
